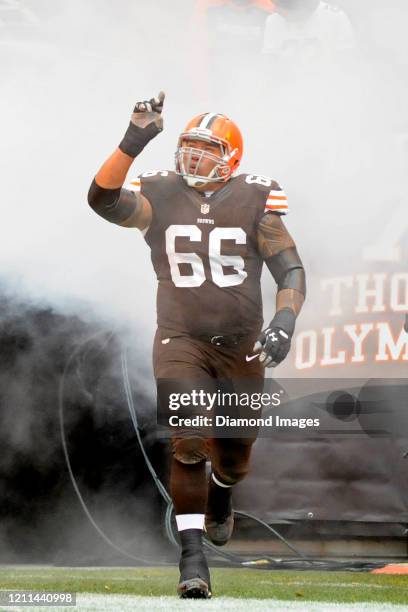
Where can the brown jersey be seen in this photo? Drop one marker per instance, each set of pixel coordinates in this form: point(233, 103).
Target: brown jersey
point(205, 254)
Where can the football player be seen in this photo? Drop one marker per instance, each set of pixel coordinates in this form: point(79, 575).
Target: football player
point(306, 30)
point(210, 231)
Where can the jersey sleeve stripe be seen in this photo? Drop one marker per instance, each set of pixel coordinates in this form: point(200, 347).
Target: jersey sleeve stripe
point(276, 200)
point(276, 206)
point(283, 208)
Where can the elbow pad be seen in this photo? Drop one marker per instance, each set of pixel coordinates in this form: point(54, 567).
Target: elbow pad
point(114, 205)
point(287, 269)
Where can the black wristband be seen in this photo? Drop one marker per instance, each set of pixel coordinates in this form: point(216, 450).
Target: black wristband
point(284, 319)
point(136, 138)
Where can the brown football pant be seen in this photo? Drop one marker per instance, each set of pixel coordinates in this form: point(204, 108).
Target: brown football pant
point(189, 359)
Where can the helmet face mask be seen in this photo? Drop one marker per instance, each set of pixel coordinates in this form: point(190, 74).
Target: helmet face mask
point(192, 159)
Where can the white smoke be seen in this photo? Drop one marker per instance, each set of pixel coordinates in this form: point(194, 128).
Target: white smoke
point(332, 134)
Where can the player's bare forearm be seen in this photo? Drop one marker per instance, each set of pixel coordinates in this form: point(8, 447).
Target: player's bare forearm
point(113, 172)
point(290, 298)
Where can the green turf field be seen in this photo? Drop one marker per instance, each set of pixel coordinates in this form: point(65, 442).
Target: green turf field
point(309, 586)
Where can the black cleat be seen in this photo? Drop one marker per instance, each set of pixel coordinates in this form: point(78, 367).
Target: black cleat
point(194, 573)
point(195, 588)
point(219, 517)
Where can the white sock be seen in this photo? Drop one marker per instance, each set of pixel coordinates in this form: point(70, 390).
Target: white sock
point(219, 483)
point(189, 521)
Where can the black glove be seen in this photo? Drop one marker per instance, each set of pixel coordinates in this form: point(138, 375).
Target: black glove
point(274, 342)
point(145, 123)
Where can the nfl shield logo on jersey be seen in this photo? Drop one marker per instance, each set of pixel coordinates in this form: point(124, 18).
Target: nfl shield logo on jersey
point(205, 209)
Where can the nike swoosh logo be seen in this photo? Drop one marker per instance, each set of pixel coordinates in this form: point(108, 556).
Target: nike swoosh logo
point(251, 357)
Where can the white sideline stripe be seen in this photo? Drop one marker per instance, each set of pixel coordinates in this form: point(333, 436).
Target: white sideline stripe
point(345, 585)
point(89, 602)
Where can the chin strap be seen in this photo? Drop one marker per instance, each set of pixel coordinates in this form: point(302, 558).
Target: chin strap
point(198, 182)
point(193, 182)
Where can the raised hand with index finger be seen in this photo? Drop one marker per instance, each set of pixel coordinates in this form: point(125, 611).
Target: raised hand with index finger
point(145, 123)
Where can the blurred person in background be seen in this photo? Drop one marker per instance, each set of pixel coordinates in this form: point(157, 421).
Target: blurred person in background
point(227, 33)
point(379, 26)
point(307, 30)
point(235, 25)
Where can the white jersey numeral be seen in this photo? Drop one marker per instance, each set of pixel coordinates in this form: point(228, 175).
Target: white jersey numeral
point(259, 179)
point(216, 259)
point(155, 173)
point(198, 277)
